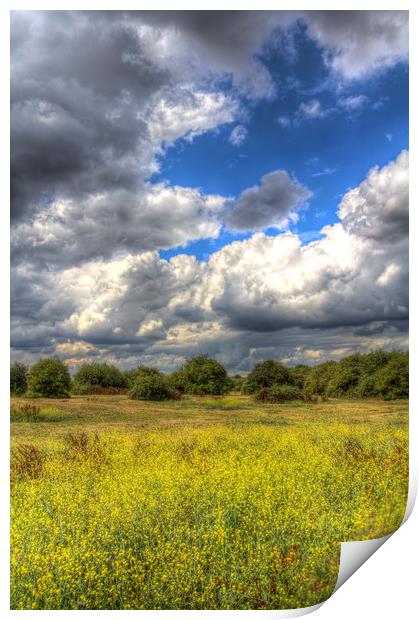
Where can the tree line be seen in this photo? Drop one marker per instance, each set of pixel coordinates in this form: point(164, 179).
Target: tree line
point(379, 374)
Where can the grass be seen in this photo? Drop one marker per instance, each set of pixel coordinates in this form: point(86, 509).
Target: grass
point(204, 503)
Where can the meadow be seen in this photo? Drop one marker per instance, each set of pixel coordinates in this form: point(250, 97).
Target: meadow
point(201, 503)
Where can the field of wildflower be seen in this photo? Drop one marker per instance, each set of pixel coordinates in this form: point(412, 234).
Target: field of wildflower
point(204, 503)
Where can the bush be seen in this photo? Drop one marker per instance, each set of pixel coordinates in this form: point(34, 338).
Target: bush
point(278, 394)
point(201, 375)
point(152, 386)
point(392, 381)
point(132, 374)
point(90, 377)
point(18, 379)
point(299, 374)
point(265, 375)
point(49, 378)
point(318, 378)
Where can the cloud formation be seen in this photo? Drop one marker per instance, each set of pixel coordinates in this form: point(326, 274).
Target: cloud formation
point(349, 282)
point(271, 204)
point(98, 99)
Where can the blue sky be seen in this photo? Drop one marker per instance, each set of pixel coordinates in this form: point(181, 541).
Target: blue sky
point(329, 153)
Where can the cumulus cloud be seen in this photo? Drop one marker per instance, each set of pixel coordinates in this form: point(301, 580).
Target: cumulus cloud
point(272, 203)
point(379, 207)
point(261, 297)
point(70, 231)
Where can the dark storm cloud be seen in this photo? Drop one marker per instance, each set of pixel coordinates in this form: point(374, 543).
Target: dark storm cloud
point(78, 87)
point(269, 204)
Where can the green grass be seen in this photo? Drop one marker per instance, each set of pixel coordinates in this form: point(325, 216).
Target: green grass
point(204, 503)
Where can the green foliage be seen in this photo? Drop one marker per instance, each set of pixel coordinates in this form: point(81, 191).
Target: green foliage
point(265, 375)
point(379, 374)
point(152, 386)
point(201, 375)
point(132, 374)
point(237, 382)
point(392, 381)
point(18, 379)
point(92, 376)
point(346, 376)
point(279, 394)
point(299, 374)
point(49, 378)
point(318, 377)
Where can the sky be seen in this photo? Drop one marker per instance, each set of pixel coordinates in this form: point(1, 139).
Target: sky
point(226, 183)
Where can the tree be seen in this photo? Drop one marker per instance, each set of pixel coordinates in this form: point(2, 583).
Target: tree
point(392, 381)
point(265, 375)
point(152, 386)
point(98, 376)
point(18, 379)
point(132, 374)
point(49, 378)
point(201, 375)
point(318, 379)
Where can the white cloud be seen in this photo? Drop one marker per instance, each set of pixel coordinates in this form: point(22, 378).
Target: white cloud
point(238, 135)
point(188, 115)
point(379, 207)
point(353, 102)
point(310, 110)
point(261, 297)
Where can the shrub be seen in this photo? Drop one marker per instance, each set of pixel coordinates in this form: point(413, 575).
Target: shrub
point(201, 375)
point(92, 376)
point(49, 378)
point(265, 375)
point(392, 381)
point(152, 387)
point(299, 374)
point(278, 394)
point(18, 379)
point(346, 376)
point(318, 378)
point(132, 374)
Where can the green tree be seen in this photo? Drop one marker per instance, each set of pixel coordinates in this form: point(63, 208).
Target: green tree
point(201, 375)
point(132, 374)
point(49, 378)
point(152, 386)
point(318, 378)
point(98, 375)
point(18, 379)
point(392, 381)
point(266, 374)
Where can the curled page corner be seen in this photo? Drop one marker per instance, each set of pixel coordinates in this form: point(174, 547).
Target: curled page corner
point(354, 554)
